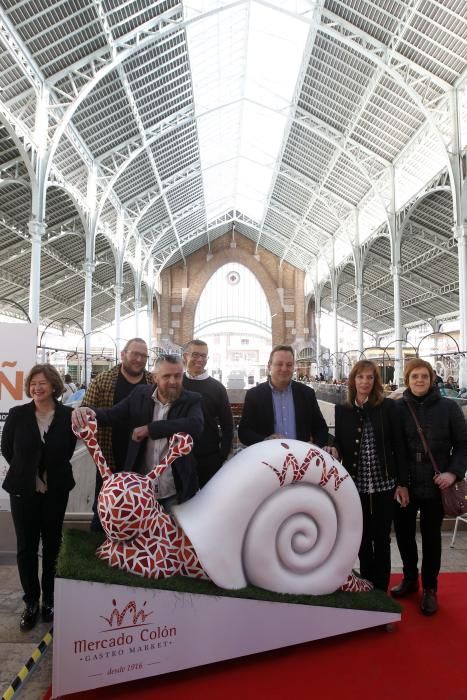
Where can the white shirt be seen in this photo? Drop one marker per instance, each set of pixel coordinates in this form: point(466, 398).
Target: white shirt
point(203, 375)
point(43, 423)
point(157, 449)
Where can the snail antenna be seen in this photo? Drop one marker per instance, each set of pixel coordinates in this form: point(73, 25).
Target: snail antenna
point(179, 444)
point(88, 436)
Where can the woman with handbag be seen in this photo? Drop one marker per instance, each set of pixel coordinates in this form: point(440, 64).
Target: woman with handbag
point(369, 441)
point(38, 442)
point(436, 442)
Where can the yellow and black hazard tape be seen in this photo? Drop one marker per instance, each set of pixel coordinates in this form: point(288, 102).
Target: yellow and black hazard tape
point(28, 666)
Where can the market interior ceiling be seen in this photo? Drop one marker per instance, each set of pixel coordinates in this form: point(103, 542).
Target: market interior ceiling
point(160, 125)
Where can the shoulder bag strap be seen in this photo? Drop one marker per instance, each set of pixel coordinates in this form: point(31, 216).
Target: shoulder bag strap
point(426, 447)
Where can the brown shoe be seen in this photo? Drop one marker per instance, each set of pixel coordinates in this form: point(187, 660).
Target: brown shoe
point(404, 588)
point(429, 602)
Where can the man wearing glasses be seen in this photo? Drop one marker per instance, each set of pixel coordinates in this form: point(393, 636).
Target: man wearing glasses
point(153, 415)
point(213, 446)
point(106, 390)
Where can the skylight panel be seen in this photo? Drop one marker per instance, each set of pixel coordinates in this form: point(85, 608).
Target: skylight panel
point(371, 216)
point(219, 186)
point(251, 191)
point(245, 63)
point(418, 165)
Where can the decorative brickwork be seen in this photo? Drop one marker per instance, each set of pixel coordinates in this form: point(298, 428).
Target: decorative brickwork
point(182, 286)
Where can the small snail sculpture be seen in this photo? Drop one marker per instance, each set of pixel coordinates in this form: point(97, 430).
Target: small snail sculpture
point(281, 515)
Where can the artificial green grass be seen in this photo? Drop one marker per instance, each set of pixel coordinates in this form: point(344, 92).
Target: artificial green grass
point(77, 560)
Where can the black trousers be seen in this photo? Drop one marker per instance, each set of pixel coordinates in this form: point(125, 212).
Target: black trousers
point(96, 525)
point(207, 466)
point(37, 517)
point(375, 550)
point(405, 523)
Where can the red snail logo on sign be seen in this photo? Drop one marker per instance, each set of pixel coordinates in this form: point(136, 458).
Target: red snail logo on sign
point(123, 621)
point(129, 616)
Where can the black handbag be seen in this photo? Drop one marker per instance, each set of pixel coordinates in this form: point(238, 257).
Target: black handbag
point(454, 498)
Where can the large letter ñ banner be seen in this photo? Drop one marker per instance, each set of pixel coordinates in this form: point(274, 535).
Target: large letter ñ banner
point(17, 356)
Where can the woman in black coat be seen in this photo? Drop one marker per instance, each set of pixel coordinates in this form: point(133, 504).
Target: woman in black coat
point(445, 431)
point(38, 443)
point(369, 442)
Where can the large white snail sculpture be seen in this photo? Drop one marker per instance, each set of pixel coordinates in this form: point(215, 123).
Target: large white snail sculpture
point(281, 515)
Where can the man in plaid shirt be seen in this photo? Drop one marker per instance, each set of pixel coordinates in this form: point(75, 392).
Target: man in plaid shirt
point(107, 389)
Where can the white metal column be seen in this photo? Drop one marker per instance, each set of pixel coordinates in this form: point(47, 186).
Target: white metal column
point(318, 341)
point(358, 262)
point(150, 310)
point(118, 289)
point(36, 230)
point(398, 363)
point(89, 268)
point(460, 234)
point(396, 282)
point(359, 294)
point(137, 308)
point(37, 224)
point(334, 340)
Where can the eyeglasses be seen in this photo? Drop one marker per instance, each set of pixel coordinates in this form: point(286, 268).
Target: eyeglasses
point(199, 355)
point(137, 355)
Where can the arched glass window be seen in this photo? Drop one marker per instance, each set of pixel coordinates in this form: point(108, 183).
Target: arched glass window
point(234, 318)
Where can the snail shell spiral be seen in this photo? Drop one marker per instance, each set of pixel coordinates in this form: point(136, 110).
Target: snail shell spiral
point(282, 515)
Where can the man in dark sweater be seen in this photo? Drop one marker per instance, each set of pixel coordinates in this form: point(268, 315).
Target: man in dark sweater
point(213, 445)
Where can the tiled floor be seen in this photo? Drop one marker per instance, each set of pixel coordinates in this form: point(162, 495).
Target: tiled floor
point(16, 646)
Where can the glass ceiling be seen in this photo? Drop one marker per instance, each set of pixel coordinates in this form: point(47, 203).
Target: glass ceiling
point(315, 118)
point(245, 62)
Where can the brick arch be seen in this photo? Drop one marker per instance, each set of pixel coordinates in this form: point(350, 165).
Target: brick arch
point(234, 255)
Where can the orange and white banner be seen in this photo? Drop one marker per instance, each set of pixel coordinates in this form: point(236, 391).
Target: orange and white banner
point(17, 356)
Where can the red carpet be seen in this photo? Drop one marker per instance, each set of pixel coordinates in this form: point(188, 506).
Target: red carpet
point(421, 658)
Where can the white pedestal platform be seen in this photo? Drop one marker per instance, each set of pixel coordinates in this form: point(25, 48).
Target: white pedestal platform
point(106, 634)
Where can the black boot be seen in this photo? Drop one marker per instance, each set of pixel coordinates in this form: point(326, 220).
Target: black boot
point(47, 611)
point(29, 616)
point(429, 602)
point(404, 588)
